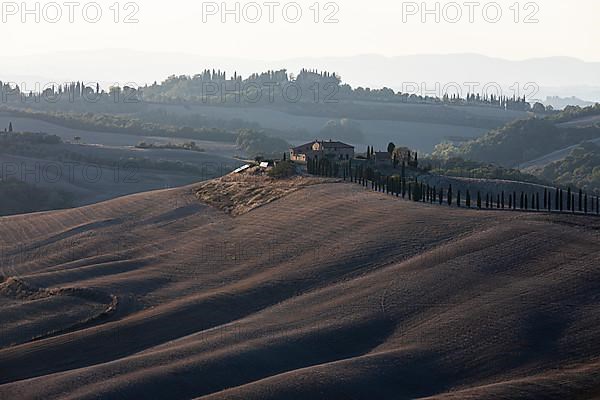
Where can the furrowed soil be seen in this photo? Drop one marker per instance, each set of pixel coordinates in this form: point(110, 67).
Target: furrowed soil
point(297, 289)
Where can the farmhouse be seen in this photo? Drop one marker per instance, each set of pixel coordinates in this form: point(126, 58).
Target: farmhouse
point(383, 157)
point(322, 149)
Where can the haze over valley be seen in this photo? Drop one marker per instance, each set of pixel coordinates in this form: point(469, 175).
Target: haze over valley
point(384, 200)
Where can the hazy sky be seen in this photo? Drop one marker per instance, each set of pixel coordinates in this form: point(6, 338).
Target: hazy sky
point(564, 28)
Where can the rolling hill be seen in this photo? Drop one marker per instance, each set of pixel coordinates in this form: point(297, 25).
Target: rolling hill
point(326, 291)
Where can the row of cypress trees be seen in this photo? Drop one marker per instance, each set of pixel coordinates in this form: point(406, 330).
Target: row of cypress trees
point(400, 186)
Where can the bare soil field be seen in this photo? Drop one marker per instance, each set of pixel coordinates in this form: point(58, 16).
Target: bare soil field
point(108, 139)
point(377, 132)
point(329, 291)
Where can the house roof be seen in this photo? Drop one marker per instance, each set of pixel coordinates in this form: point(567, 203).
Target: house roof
point(330, 144)
point(326, 144)
point(302, 147)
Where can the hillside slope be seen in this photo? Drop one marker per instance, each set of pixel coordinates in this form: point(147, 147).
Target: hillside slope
point(330, 292)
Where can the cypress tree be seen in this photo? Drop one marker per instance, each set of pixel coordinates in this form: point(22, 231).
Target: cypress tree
point(573, 203)
point(580, 200)
point(487, 200)
point(510, 201)
point(468, 200)
point(479, 199)
point(526, 201)
point(585, 204)
point(522, 200)
point(417, 194)
point(441, 196)
point(403, 173)
point(350, 168)
point(450, 195)
point(498, 201)
point(458, 199)
point(545, 198)
point(502, 200)
point(560, 199)
point(537, 201)
point(569, 198)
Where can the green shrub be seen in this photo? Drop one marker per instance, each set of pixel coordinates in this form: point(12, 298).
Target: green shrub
point(283, 169)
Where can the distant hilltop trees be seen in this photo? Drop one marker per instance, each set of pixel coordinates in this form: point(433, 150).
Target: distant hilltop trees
point(508, 103)
point(71, 91)
point(216, 86)
point(317, 86)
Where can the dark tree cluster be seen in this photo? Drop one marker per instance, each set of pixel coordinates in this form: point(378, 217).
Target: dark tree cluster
point(71, 91)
